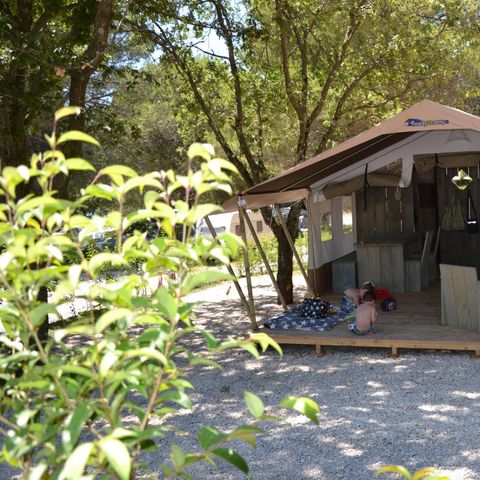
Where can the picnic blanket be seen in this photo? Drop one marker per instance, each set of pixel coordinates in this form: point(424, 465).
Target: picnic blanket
point(292, 319)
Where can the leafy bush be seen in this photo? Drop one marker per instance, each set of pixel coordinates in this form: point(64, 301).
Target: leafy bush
point(64, 403)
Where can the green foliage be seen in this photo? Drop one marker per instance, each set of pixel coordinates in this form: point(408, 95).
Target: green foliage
point(270, 247)
point(84, 402)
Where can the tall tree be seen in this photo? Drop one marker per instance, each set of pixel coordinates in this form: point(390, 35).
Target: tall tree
point(334, 67)
point(42, 44)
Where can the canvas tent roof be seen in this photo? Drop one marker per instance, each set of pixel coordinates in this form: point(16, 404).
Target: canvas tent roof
point(341, 161)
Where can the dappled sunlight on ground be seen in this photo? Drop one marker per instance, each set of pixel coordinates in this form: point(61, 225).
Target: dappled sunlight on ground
point(421, 409)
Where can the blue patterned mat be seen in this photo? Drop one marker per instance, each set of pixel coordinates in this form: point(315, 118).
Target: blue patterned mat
point(292, 319)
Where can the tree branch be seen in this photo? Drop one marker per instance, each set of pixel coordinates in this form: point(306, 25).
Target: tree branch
point(284, 56)
point(349, 35)
point(256, 165)
point(161, 37)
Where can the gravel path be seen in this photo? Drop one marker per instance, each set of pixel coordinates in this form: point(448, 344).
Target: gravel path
point(421, 409)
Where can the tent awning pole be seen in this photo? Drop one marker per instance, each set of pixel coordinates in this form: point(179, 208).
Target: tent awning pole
point(264, 258)
point(248, 276)
point(243, 299)
point(313, 241)
point(292, 246)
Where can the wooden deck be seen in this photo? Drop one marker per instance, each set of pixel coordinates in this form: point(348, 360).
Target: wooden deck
point(414, 325)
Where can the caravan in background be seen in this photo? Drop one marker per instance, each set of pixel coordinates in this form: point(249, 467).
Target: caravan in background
point(230, 222)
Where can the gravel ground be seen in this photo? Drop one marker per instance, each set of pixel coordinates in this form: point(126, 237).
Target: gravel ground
point(421, 409)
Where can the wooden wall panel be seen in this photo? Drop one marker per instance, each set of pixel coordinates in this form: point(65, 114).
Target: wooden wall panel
point(384, 213)
point(408, 216)
point(394, 223)
point(379, 210)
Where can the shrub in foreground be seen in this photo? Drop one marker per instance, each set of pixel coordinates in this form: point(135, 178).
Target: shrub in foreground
point(71, 409)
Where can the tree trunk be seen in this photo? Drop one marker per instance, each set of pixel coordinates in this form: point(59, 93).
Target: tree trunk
point(80, 77)
point(14, 146)
point(285, 268)
point(285, 254)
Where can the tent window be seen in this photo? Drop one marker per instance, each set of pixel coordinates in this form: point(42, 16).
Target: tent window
point(237, 229)
point(326, 226)
point(259, 226)
point(347, 216)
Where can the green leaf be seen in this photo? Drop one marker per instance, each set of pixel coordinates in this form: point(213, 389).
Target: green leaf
point(180, 398)
point(178, 457)
point(201, 211)
point(76, 136)
point(209, 436)
point(118, 170)
point(118, 457)
point(147, 352)
point(203, 150)
point(75, 330)
point(79, 164)
point(76, 462)
point(265, 341)
point(254, 404)
point(66, 111)
point(210, 339)
point(98, 261)
point(428, 474)
point(166, 303)
point(24, 172)
point(205, 277)
point(193, 360)
point(141, 183)
point(303, 405)
point(39, 313)
point(112, 316)
point(225, 164)
point(37, 472)
point(232, 457)
point(251, 348)
point(100, 191)
point(246, 433)
point(394, 469)
point(25, 416)
point(108, 360)
point(75, 422)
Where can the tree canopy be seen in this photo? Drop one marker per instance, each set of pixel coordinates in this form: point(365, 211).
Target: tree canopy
point(287, 79)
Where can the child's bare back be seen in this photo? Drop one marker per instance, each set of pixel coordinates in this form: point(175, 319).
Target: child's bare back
point(365, 315)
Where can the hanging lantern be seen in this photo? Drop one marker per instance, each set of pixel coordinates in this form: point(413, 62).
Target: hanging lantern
point(462, 180)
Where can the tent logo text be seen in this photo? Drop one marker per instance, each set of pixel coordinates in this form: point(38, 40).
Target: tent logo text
point(417, 122)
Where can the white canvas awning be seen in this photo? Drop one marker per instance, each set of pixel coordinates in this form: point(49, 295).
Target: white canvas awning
point(252, 202)
point(393, 166)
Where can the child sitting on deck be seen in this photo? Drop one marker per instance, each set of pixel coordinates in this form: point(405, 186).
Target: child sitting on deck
point(355, 295)
point(365, 315)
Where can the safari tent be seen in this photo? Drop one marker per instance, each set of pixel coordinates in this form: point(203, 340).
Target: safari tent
point(395, 180)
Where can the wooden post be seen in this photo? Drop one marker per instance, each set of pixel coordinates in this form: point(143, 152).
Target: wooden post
point(246, 262)
point(243, 300)
point(292, 246)
point(264, 258)
point(312, 240)
point(394, 352)
point(319, 351)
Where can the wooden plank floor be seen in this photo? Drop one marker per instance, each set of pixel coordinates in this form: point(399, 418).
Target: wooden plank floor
point(415, 324)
